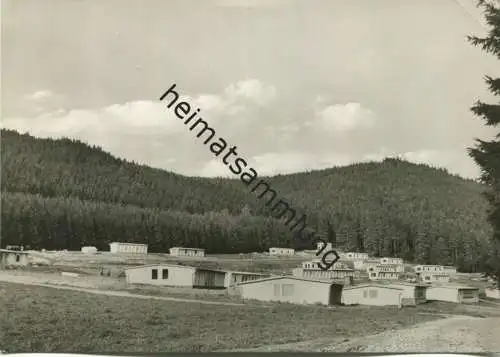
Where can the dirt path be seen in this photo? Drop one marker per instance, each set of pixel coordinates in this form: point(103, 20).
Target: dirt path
point(27, 280)
point(453, 334)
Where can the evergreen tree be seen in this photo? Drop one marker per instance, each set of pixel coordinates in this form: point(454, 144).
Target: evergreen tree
point(487, 153)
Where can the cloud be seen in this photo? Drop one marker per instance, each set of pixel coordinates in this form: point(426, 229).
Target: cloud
point(112, 120)
point(273, 163)
point(342, 118)
point(214, 168)
point(251, 89)
point(269, 164)
point(455, 160)
point(40, 95)
point(148, 132)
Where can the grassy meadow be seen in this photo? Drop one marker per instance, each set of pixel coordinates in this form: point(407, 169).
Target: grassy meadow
point(41, 319)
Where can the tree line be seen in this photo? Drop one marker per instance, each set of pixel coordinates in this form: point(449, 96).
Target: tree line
point(62, 194)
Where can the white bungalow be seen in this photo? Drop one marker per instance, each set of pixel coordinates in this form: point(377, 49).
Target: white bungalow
point(128, 248)
point(435, 268)
point(372, 294)
point(354, 256)
point(434, 277)
point(453, 293)
point(315, 264)
point(89, 250)
point(320, 274)
point(187, 252)
point(413, 294)
point(13, 258)
point(293, 290)
point(390, 260)
point(282, 251)
point(176, 275)
point(449, 269)
point(383, 271)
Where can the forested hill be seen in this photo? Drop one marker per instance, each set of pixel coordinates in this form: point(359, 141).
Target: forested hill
point(63, 193)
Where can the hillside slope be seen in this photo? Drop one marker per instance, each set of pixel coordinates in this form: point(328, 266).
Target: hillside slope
point(394, 207)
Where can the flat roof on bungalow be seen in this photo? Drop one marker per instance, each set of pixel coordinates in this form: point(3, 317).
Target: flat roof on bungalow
point(453, 286)
point(125, 243)
point(279, 277)
point(246, 272)
point(13, 251)
point(350, 287)
point(331, 269)
point(403, 283)
point(187, 248)
point(173, 266)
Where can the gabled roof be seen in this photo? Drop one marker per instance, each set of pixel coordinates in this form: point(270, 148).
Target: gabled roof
point(279, 277)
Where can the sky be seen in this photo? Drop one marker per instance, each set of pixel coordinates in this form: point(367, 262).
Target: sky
point(295, 85)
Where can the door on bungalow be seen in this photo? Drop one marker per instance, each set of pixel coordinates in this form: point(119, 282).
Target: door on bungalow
point(335, 296)
point(210, 279)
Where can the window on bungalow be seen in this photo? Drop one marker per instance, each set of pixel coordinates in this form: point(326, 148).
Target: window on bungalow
point(467, 294)
point(277, 289)
point(154, 274)
point(287, 289)
point(164, 274)
point(18, 258)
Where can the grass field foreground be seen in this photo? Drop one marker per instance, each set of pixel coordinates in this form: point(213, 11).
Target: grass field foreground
point(40, 319)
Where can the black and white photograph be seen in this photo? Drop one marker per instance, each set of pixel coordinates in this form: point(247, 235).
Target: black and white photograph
point(250, 176)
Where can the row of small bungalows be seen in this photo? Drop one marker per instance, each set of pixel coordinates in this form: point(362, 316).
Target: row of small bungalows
point(343, 269)
point(392, 271)
point(300, 290)
point(403, 294)
point(138, 248)
point(312, 270)
point(434, 273)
